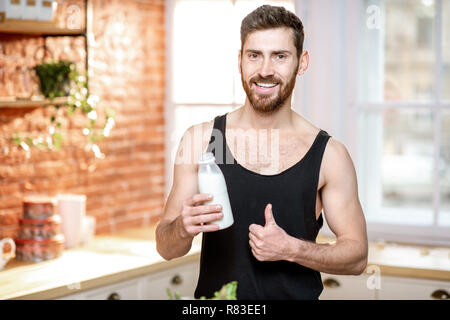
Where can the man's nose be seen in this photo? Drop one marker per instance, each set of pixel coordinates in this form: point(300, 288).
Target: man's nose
point(266, 68)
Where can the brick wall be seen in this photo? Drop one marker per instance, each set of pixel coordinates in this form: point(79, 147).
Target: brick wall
point(126, 66)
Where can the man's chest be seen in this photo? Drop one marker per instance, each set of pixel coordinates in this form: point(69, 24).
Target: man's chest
point(271, 154)
point(267, 152)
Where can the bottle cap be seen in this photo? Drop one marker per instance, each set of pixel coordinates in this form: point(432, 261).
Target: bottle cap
point(206, 157)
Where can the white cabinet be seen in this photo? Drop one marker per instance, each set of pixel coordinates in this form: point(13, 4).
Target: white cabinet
point(126, 290)
point(394, 288)
point(181, 279)
point(344, 287)
point(338, 287)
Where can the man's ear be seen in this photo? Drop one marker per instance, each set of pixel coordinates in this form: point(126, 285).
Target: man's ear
point(303, 63)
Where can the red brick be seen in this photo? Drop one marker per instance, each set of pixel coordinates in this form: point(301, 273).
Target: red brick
point(125, 188)
point(103, 228)
point(8, 218)
point(11, 188)
point(12, 201)
point(9, 232)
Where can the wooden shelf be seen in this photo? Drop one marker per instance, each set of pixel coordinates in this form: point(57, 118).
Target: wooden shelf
point(36, 28)
point(27, 103)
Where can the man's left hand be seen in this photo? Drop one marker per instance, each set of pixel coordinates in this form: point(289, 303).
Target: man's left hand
point(268, 242)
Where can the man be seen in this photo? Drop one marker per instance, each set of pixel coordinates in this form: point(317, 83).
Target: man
point(270, 250)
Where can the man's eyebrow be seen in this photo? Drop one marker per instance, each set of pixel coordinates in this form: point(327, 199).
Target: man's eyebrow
point(273, 52)
point(252, 51)
point(282, 52)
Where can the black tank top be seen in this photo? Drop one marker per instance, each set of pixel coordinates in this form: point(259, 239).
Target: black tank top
point(226, 255)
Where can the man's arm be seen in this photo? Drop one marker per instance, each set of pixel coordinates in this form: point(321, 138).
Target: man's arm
point(344, 217)
point(184, 213)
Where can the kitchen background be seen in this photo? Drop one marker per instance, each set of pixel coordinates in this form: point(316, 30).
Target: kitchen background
point(126, 53)
point(378, 81)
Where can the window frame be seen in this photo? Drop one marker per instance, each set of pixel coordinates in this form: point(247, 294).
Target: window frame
point(434, 234)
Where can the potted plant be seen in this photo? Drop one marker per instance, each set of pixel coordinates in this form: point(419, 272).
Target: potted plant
point(59, 79)
point(54, 78)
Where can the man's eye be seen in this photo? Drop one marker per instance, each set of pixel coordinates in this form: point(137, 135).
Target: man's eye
point(253, 55)
point(281, 56)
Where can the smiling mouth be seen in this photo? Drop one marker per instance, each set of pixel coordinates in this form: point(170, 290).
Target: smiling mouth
point(266, 85)
point(265, 88)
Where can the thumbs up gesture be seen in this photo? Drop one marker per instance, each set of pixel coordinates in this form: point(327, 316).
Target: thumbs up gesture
point(268, 242)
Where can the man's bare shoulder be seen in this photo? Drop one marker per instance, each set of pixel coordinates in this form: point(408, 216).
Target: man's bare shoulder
point(201, 133)
point(195, 141)
point(337, 161)
point(201, 126)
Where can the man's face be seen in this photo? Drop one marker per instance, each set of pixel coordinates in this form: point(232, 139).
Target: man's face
point(269, 65)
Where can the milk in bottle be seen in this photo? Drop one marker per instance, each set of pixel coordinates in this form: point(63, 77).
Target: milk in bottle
point(212, 181)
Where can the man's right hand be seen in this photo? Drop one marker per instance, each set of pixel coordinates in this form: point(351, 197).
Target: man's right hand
point(197, 217)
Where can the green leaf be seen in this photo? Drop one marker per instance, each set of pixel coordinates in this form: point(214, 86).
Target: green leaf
point(171, 297)
point(227, 292)
point(57, 140)
point(29, 141)
point(16, 139)
point(169, 293)
point(110, 113)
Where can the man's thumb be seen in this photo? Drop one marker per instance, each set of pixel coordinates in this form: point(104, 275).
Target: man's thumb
point(269, 215)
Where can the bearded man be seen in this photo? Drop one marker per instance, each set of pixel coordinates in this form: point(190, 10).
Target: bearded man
point(277, 200)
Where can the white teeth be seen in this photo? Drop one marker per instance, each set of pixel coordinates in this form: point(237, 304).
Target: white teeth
point(266, 85)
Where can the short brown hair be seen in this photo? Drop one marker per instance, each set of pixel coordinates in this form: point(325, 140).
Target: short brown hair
point(268, 17)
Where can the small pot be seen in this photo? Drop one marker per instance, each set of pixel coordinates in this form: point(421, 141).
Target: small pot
point(40, 229)
point(39, 249)
point(39, 208)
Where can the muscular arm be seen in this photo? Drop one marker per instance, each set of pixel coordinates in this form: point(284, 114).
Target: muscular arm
point(344, 216)
point(181, 220)
point(170, 242)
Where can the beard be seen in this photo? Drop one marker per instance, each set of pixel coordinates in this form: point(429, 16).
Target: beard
point(270, 103)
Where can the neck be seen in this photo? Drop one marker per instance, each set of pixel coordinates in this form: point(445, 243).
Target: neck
point(281, 119)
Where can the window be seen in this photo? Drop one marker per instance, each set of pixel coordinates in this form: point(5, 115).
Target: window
point(204, 79)
point(405, 117)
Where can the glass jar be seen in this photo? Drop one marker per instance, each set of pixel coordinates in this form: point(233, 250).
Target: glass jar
point(40, 229)
point(39, 207)
point(36, 250)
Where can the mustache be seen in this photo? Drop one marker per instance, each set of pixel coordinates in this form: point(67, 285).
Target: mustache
point(270, 79)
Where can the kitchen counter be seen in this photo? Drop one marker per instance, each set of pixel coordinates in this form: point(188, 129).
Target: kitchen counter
point(132, 253)
point(411, 261)
point(105, 260)
point(404, 260)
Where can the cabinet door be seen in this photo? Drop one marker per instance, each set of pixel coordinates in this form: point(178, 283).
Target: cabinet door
point(182, 279)
point(395, 288)
point(125, 290)
point(339, 287)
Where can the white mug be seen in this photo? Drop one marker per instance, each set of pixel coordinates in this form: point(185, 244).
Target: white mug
point(4, 258)
point(72, 209)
